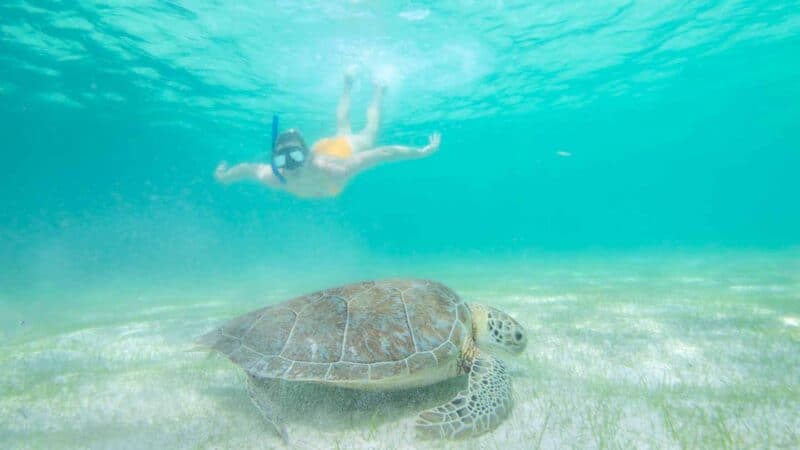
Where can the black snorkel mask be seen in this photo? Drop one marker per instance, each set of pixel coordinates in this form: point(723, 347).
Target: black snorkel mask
point(289, 150)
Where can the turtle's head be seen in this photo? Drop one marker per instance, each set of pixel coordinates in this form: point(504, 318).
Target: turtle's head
point(495, 330)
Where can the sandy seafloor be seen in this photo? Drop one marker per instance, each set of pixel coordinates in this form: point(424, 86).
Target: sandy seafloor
point(685, 350)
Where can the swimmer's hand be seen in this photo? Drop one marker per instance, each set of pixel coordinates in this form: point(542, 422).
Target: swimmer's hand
point(221, 171)
point(433, 144)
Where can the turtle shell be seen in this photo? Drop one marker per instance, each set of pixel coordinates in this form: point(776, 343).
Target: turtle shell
point(359, 332)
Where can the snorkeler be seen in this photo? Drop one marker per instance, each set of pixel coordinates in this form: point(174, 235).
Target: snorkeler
point(325, 169)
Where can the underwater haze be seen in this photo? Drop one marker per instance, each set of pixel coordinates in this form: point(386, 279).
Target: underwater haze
point(621, 176)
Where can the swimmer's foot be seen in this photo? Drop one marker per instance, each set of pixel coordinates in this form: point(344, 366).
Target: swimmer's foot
point(350, 75)
point(379, 87)
point(378, 91)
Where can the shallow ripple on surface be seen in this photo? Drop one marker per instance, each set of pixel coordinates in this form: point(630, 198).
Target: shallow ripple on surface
point(494, 60)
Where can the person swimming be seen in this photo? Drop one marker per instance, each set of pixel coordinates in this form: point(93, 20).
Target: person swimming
point(325, 169)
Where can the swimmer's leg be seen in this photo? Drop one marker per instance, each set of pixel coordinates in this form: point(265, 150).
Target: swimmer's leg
point(366, 139)
point(343, 110)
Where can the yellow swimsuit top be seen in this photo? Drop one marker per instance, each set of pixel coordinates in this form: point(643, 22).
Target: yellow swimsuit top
point(337, 147)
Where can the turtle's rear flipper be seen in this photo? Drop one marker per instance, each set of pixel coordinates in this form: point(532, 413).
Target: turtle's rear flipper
point(264, 395)
point(474, 411)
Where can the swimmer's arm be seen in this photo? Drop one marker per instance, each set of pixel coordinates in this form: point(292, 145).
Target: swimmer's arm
point(371, 158)
point(246, 171)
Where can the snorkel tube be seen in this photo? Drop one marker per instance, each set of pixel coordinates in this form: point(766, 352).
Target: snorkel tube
point(275, 170)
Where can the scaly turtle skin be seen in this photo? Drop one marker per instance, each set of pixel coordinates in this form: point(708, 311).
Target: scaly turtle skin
point(381, 335)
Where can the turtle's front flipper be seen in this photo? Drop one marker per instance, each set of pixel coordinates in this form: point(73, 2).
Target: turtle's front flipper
point(474, 411)
point(264, 395)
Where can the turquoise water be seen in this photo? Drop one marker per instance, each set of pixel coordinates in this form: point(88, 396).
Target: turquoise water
point(621, 176)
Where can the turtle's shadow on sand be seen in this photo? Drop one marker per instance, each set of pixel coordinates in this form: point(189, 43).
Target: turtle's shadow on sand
point(326, 407)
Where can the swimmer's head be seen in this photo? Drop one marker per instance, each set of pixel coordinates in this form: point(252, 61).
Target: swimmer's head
point(290, 150)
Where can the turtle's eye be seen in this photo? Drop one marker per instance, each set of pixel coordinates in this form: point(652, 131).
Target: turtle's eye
point(518, 336)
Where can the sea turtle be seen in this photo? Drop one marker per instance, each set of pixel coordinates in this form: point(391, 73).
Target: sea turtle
point(381, 335)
